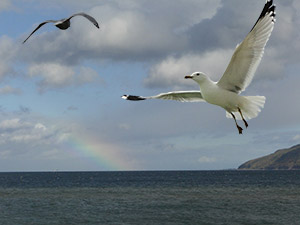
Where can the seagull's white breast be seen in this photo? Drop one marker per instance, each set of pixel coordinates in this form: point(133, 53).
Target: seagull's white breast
point(215, 95)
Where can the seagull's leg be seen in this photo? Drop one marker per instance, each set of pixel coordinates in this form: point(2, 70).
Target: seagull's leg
point(245, 122)
point(238, 127)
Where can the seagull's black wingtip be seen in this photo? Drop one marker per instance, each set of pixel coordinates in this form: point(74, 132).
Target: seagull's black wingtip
point(269, 9)
point(133, 98)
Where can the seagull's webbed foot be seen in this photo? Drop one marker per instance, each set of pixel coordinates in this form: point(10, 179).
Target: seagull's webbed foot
point(238, 127)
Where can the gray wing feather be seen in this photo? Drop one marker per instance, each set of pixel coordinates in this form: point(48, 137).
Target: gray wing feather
point(182, 96)
point(39, 26)
point(248, 54)
point(90, 18)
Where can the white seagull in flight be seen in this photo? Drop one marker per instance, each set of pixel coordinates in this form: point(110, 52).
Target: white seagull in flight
point(64, 24)
point(237, 77)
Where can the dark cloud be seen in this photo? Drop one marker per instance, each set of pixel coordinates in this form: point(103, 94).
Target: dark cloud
point(227, 28)
point(170, 40)
point(213, 41)
point(129, 31)
point(24, 109)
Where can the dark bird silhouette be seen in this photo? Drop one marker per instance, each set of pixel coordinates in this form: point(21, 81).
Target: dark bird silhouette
point(64, 24)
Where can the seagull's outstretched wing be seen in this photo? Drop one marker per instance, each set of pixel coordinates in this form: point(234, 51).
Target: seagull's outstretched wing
point(91, 19)
point(248, 54)
point(39, 26)
point(182, 96)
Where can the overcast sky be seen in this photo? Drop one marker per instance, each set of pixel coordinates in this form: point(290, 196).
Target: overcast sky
point(60, 92)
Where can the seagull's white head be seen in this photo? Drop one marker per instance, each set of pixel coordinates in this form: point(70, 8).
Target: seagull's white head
point(199, 77)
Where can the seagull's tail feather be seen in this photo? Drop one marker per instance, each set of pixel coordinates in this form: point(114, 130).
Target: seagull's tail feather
point(133, 97)
point(250, 107)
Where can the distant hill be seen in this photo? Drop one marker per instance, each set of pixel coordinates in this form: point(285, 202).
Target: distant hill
point(283, 159)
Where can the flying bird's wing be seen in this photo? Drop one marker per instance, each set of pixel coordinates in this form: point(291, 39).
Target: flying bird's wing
point(91, 19)
point(248, 54)
point(39, 26)
point(182, 96)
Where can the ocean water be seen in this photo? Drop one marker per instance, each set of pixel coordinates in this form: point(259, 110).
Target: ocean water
point(166, 197)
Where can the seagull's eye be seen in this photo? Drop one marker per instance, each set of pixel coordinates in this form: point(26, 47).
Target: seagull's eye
point(198, 74)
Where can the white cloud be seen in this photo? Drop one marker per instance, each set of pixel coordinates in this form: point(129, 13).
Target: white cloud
point(296, 137)
point(22, 135)
point(124, 126)
point(40, 126)
point(180, 12)
point(52, 75)
point(9, 90)
point(12, 125)
point(205, 159)
point(172, 70)
point(8, 53)
point(143, 31)
point(129, 30)
point(212, 42)
point(5, 4)
point(173, 40)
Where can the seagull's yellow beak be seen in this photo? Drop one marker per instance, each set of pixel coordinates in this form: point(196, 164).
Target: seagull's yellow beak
point(188, 77)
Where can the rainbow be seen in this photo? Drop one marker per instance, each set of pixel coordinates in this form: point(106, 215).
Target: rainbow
point(108, 156)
